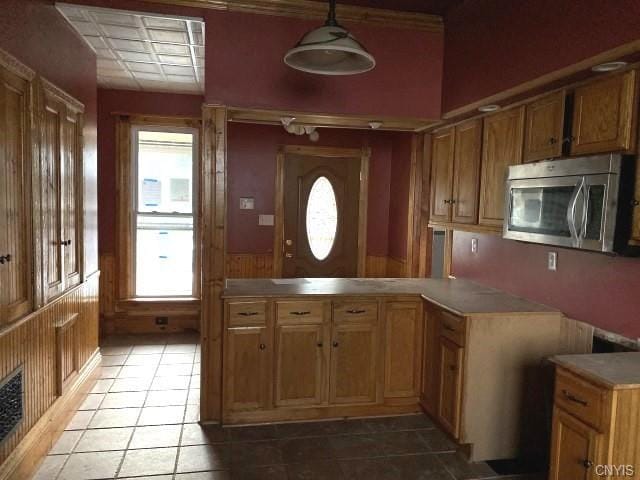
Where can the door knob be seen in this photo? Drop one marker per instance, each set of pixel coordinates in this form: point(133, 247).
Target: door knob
point(335, 344)
point(587, 464)
point(262, 346)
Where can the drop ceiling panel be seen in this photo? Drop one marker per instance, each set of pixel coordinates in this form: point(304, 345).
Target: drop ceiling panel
point(138, 51)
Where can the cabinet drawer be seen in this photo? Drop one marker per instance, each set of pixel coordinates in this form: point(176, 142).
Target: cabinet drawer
point(300, 312)
point(247, 313)
point(581, 398)
point(452, 327)
point(355, 311)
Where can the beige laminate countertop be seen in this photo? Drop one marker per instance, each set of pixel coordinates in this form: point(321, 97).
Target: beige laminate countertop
point(461, 297)
point(614, 370)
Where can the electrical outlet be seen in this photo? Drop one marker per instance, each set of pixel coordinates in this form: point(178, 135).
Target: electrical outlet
point(474, 245)
point(552, 261)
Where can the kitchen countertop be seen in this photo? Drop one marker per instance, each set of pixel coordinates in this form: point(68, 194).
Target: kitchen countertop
point(614, 370)
point(461, 297)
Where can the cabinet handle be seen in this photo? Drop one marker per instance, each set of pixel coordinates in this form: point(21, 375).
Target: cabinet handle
point(635, 203)
point(447, 327)
point(587, 464)
point(568, 139)
point(65, 243)
point(575, 399)
point(447, 201)
point(7, 257)
point(553, 140)
point(248, 314)
point(356, 312)
point(319, 344)
point(299, 313)
point(335, 344)
point(452, 201)
point(3, 259)
point(262, 346)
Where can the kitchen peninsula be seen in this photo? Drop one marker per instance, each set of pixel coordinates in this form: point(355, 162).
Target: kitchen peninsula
point(308, 349)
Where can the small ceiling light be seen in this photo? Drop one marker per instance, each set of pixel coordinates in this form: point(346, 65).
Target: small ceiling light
point(608, 67)
point(286, 121)
point(330, 50)
point(314, 136)
point(375, 125)
point(489, 108)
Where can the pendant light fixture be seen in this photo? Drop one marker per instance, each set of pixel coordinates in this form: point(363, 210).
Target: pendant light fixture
point(330, 50)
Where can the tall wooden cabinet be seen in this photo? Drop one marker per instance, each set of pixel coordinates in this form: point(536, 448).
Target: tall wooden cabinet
point(544, 127)
point(501, 147)
point(61, 164)
point(16, 291)
point(442, 151)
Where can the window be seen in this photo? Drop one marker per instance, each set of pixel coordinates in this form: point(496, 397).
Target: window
point(164, 197)
point(322, 218)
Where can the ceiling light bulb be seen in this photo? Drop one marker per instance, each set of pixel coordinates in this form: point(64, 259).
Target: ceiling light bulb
point(286, 121)
point(608, 67)
point(314, 136)
point(489, 108)
point(375, 124)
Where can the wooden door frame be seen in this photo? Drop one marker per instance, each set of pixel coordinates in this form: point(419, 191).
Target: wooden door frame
point(364, 154)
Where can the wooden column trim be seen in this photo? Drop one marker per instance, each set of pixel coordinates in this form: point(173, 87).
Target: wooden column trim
point(363, 211)
point(278, 234)
point(213, 204)
point(425, 233)
point(124, 173)
point(415, 206)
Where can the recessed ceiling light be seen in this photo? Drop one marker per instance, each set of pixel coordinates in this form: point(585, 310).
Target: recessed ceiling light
point(489, 108)
point(608, 67)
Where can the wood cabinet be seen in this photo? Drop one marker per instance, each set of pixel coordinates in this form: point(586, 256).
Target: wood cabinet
point(15, 198)
point(455, 157)
point(248, 356)
point(501, 147)
point(442, 154)
point(603, 115)
point(544, 127)
point(595, 417)
point(429, 393)
point(450, 385)
point(403, 349)
point(61, 157)
point(301, 346)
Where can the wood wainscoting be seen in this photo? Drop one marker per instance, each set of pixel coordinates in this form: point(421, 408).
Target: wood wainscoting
point(31, 343)
point(396, 267)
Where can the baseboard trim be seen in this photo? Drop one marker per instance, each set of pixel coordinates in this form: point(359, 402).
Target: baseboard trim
point(26, 457)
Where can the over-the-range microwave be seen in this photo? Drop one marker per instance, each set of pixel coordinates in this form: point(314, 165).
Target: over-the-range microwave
point(578, 202)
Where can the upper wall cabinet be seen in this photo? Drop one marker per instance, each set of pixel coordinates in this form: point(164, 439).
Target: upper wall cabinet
point(455, 173)
point(501, 147)
point(15, 204)
point(544, 128)
point(603, 115)
point(61, 158)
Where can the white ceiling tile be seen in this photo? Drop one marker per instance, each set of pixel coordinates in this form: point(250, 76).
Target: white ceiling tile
point(168, 36)
point(135, 56)
point(170, 49)
point(130, 45)
point(96, 42)
point(143, 67)
point(165, 23)
point(86, 28)
point(199, 51)
point(112, 64)
point(198, 38)
point(105, 53)
point(175, 60)
point(108, 72)
point(175, 70)
point(199, 62)
point(106, 17)
point(148, 76)
point(114, 31)
point(181, 79)
point(72, 13)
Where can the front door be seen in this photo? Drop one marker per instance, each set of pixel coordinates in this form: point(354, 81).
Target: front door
point(321, 204)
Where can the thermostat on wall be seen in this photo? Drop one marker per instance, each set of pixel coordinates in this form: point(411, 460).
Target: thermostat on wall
point(247, 203)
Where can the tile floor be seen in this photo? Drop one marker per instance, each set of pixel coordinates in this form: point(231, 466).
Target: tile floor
point(140, 421)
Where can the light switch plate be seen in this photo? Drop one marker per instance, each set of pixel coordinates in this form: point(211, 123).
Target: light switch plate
point(265, 220)
point(474, 245)
point(247, 203)
point(552, 261)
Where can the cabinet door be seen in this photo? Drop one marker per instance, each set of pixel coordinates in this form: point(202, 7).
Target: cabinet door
point(72, 197)
point(15, 205)
point(53, 117)
point(574, 448)
point(403, 349)
point(442, 149)
point(450, 399)
point(603, 115)
point(544, 128)
point(247, 366)
point(301, 373)
point(501, 147)
point(466, 171)
point(354, 363)
point(431, 361)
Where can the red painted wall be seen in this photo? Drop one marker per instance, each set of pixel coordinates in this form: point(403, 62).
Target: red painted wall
point(491, 45)
point(123, 101)
point(399, 201)
point(35, 33)
point(244, 67)
point(251, 154)
point(594, 288)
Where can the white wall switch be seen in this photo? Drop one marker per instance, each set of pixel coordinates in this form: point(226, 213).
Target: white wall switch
point(474, 245)
point(265, 220)
point(247, 203)
point(552, 261)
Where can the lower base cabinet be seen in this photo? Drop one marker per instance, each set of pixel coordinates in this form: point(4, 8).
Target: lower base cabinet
point(450, 386)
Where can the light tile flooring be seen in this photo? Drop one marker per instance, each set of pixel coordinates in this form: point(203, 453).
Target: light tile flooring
point(140, 421)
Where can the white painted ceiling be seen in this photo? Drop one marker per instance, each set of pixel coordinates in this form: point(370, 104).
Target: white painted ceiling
point(140, 51)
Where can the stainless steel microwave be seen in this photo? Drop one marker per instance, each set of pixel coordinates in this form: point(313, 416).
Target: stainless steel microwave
point(569, 203)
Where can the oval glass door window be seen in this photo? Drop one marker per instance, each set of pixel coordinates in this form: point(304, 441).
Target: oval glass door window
point(322, 218)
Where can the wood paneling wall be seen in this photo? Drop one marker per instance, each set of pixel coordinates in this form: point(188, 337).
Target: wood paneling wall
point(376, 266)
point(396, 267)
point(247, 265)
point(31, 343)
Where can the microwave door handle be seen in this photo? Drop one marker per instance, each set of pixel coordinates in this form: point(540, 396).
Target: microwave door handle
point(571, 211)
point(585, 211)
